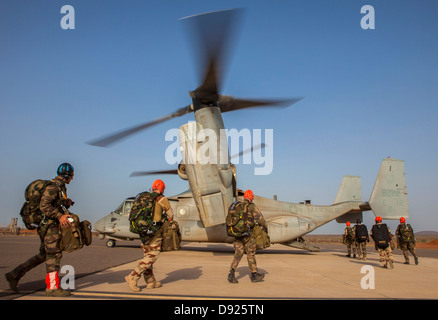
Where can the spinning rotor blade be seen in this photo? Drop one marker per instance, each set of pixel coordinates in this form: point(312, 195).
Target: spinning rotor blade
point(108, 140)
point(147, 173)
point(228, 103)
point(212, 33)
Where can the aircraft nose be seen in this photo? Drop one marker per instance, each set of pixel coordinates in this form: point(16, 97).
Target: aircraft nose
point(99, 225)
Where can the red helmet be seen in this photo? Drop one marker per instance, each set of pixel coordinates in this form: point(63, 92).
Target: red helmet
point(348, 223)
point(248, 195)
point(402, 220)
point(378, 219)
point(158, 185)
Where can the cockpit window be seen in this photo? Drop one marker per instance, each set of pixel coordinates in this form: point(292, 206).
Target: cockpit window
point(119, 209)
point(127, 208)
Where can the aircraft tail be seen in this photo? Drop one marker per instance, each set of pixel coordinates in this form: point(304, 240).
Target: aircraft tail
point(389, 196)
point(350, 190)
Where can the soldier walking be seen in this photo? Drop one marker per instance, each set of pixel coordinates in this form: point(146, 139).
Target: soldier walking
point(151, 239)
point(349, 239)
point(247, 243)
point(381, 235)
point(406, 240)
point(361, 236)
point(53, 206)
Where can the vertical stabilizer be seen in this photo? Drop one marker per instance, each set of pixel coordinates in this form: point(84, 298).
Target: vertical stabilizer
point(350, 190)
point(389, 196)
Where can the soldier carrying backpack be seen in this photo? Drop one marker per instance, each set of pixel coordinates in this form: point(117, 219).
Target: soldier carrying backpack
point(240, 221)
point(381, 235)
point(349, 239)
point(406, 240)
point(148, 214)
point(361, 235)
point(46, 210)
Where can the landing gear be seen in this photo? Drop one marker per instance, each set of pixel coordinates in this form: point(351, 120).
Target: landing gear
point(111, 243)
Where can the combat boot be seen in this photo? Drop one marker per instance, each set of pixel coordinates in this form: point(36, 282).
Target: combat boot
point(416, 259)
point(232, 277)
point(12, 280)
point(257, 277)
point(391, 265)
point(151, 282)
point(132, 283)
point(57, 293)
point(153, 285)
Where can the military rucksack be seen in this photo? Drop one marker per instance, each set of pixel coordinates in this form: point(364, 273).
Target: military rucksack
point(142, 214)
point(381, 235)
point(236, 221)
point(171, 237)
point(262, 238)
point(351, 236)
point(361, 233)
point(76, 235)
point(406, 233)
point(30, 212)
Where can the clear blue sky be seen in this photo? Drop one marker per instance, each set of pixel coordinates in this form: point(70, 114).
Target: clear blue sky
point(368, 94)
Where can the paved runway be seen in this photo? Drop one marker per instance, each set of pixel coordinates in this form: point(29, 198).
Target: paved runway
point(199, 271)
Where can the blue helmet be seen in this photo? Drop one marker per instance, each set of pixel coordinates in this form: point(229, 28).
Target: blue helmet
point(65, 170)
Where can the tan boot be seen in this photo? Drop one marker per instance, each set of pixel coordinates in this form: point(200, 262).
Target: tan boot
point(152, 283)
point(132, 283)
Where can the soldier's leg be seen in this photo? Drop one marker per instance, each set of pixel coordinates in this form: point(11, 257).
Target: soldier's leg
point(382, 256)
point(359, 250)
point(411, 247)
point(52, 241)
point(14, 276)
point(348, 249)
point(239, 250)
point(364, 250)
point(390, 257)
point(151, 252)
point(354, 247)
point(404, 248)
point(251, 247)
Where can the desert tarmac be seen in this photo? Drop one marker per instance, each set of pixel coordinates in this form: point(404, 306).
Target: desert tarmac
point(199, 272)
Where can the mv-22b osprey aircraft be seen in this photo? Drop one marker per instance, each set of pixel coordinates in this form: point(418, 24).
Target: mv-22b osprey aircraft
point(201, 211)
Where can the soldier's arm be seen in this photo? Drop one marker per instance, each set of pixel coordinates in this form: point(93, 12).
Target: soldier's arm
point(47, 203)
point(258, 216)
point(165, 205)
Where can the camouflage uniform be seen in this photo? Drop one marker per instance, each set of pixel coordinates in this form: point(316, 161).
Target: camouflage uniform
point(248, 244)
point(406, 246)
point(349, 240)
point(361, 247)
point(151, 245)
point(52, 200)
point(386, 256)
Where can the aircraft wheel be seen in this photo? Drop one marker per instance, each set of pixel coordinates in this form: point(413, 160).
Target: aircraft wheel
point(111, 243)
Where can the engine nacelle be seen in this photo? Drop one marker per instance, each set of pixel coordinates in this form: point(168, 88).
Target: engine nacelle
point(182, 171)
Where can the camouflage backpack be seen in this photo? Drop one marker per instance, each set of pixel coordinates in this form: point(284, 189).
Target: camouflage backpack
point(30, 212)
point(142, 214)
point(236, 222)
point(406, 233)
